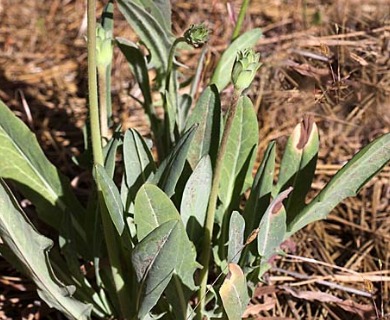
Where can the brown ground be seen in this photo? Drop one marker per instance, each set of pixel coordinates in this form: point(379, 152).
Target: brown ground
point(342, 266)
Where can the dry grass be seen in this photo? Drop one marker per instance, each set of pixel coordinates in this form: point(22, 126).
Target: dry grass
point(326, 58)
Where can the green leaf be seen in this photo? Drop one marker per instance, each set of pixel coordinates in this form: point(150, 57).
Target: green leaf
point(346, 183)
point(111, 197)
point(152, 209)
point(151, 32)
point(234, 293)
point(236, 237)
point(161, 10)
point(139, 163)
point(207, 113)
point(171, 168)
point(110, 150)
point(108, 16)
point(40, 181)
point(137, 63)
point(272, 228)
point(260, 195)
point(108, 25)
point(154, 260)
point(185, 102)
point(298, 166)
point(240, 153)
point(222, 73)
point(196, 198)
point(29, 250)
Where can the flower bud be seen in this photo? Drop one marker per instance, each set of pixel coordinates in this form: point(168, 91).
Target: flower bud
point(244, 68)
point(104, 47)
point(197, 35)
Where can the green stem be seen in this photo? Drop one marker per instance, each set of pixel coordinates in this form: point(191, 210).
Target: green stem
point(170, 61)
point(180, 297)
point(103, 101)
point(108, 227)
point(166, 144)
point(92, 85)
point(240, 19)
point(205, 258)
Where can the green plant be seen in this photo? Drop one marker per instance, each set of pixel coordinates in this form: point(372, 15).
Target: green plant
point(166, 223)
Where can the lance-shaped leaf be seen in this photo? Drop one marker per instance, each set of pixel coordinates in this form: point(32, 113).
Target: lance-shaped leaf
point(24, 162)
point(236, 237)
point(207, 113)
point(152, 208)
point(260, 196)
point(111, 197)
point(222, 73)
point(154, 260)
point(151, 32)
point(29, 251)
point(196, 198)
point(139, 163)
point(171, 168)
point(346, 183)
point(108, 25)
point(298, 166)
point(137, 63)
point(272, 228)
point(240, 153)
point(234, 293)
point(110, 150)
point(161, 10)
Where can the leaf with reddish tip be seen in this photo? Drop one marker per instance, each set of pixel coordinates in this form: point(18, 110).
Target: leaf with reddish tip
point(298, 166)
point(234, 293)
point(346, 183)
point(272, 227)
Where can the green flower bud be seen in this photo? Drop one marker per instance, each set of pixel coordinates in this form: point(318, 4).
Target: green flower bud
point(197, 35)
point(244, 68)
point(104, 47)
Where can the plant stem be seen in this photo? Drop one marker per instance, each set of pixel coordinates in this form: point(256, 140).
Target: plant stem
point(92, 85)
point(108, 227)
point(170, 60)
point(101, 71)
point(165, 145)
point(240, 19)
point(205, 258)
point(180, 296)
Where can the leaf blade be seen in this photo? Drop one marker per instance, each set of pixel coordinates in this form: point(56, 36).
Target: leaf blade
point(234, 293)
point(111, 197)
point(346, 183)
point(30, 249)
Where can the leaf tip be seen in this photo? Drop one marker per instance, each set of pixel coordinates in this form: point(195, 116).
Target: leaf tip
point(304, 132)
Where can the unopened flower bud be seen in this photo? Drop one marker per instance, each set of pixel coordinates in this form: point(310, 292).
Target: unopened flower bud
point(244, 68)
point(197, 35)
point(104, 47)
